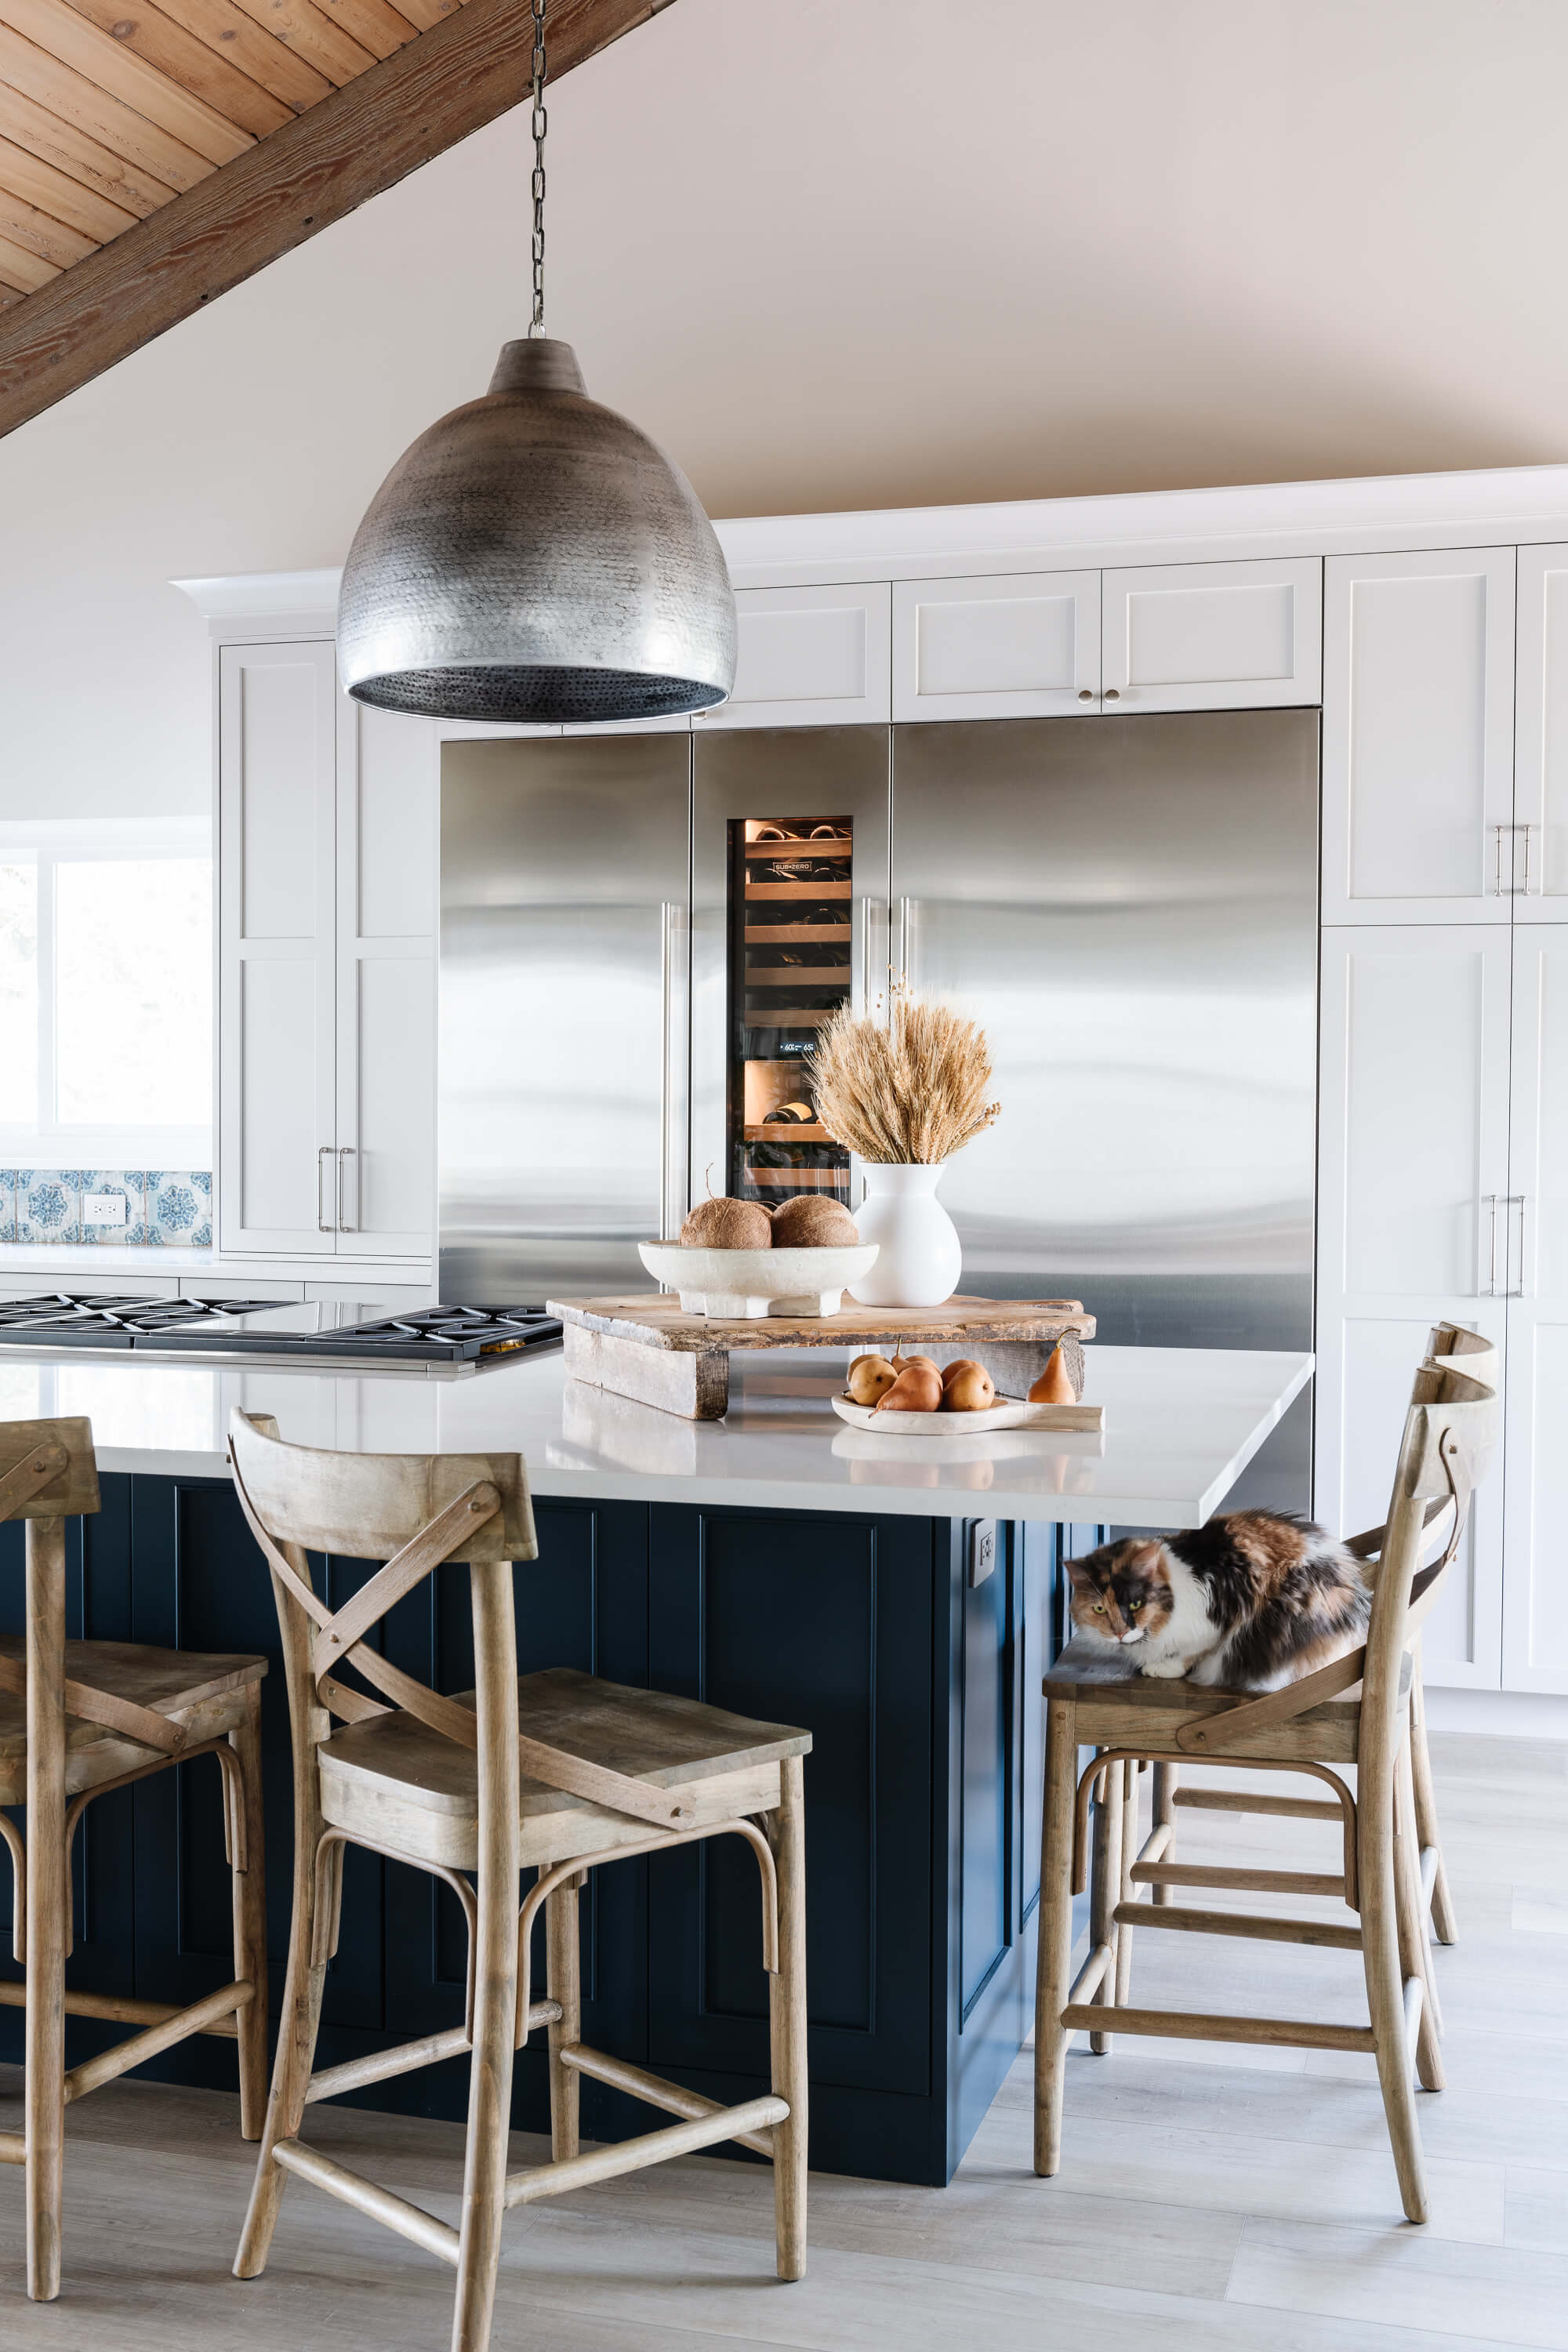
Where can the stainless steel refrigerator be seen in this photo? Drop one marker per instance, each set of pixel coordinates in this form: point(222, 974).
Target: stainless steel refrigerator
point(631, 977)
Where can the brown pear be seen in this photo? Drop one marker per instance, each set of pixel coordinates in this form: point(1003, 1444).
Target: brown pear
point(869, 1378)
point(968, 1386)
point(1055, 1383)
point(918, 1389)
point(902, 1363)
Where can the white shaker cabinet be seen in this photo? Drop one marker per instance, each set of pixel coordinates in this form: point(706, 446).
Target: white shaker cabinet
point(1538, 862)
point(383, 1172)
point(809, 658)
point(1413, 1179)
point(326, 983)
point(1020, 645)
point(1213, 637)
point(278, 723)
point(1534, 1271)
point(1418, 681)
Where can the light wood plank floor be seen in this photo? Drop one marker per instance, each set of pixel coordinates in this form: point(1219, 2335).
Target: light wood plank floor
point(1245, 2204)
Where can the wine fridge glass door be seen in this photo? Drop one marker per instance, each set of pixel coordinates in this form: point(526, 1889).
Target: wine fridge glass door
point(789, 922)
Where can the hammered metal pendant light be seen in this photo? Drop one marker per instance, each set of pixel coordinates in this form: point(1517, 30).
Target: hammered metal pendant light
point(533, 556)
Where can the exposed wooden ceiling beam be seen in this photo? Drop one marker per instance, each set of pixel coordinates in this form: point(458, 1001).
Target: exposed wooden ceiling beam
point(398, 114)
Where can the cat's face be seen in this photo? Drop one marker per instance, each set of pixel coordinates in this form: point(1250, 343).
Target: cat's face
point(1122, 1592)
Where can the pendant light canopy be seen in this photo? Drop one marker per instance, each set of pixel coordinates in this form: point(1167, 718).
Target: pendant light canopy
point(534, 557)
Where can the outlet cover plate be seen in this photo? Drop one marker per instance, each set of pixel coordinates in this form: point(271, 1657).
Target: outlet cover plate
point(981, 1549)
point(103, 1208)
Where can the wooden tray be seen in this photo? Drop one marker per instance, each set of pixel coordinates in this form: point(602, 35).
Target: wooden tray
point(644, 1346)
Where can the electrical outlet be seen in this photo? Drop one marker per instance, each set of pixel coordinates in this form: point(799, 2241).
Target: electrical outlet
point(103, 1208)
point(981, 1549)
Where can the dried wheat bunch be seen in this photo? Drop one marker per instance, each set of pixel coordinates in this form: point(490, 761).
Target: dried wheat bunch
point(914, 1091)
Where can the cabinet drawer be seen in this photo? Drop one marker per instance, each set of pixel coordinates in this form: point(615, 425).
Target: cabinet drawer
point(1213, 637)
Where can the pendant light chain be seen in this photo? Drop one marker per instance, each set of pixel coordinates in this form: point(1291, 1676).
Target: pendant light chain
point(541, 124)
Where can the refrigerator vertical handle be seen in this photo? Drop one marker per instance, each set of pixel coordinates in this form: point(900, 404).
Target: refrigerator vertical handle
point(906, 958)
point(874, 952)
point(674, 1015)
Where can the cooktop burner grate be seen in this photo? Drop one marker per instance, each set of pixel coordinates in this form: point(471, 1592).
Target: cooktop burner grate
point(240, 1328)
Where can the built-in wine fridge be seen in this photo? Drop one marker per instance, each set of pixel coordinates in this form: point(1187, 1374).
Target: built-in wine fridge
point(790, 856)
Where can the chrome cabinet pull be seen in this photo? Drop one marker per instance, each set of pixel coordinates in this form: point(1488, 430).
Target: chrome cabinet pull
point(322, 1224)
point(1516, 1200)
point(1525, 886)
point(1490, 1200)
point(1497, 831)
point(345, 1152)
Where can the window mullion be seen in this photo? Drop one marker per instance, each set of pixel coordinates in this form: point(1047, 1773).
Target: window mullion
point(47, 1092)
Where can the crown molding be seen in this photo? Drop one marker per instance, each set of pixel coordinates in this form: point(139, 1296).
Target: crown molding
point(1382, 514)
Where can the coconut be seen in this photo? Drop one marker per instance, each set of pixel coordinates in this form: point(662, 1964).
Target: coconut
point(813, 1221)
point(728, 1224)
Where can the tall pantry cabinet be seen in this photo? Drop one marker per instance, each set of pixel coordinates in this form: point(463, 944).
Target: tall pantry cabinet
point(1444, 1109)
point(326, 963)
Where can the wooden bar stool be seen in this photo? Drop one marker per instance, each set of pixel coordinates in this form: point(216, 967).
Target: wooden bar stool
point(1449, 1344)
point(1315, 1726)
point(76, 1719)
point(557, 1772)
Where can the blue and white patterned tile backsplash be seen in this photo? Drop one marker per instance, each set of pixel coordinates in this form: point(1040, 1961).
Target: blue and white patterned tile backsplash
point(163, 1207)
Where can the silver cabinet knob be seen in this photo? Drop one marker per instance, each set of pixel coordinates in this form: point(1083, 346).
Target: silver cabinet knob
point(1112, 694)
point(1086, 694)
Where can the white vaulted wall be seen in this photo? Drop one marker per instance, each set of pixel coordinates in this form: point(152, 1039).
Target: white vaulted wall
point(841, 253)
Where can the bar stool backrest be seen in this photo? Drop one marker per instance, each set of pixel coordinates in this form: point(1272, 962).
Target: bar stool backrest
point(412, 1511)
point(47, 1469)
point(1450, 1434)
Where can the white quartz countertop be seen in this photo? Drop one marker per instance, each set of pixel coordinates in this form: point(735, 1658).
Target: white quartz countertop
point(1181, 1425)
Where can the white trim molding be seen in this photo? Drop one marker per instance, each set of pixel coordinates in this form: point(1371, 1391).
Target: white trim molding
point(1503, 506)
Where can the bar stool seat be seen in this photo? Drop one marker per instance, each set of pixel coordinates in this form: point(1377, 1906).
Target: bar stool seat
point(394, 1772)
point(1118, 1708)
point(202, 1693)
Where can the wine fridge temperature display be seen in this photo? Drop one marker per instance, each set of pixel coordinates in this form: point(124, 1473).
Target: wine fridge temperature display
point(789, 960)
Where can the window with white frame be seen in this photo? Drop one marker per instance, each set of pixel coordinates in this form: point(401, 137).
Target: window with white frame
point(106, 992)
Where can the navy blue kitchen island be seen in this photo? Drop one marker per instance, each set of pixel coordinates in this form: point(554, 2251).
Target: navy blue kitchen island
point(670, 1556)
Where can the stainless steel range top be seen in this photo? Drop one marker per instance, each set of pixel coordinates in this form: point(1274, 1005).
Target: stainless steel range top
point(442, 1342)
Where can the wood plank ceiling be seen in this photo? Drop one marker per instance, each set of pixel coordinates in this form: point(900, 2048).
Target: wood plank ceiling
point(164, 152)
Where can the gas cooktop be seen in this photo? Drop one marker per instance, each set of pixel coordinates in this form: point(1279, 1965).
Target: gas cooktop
point(362, 1336)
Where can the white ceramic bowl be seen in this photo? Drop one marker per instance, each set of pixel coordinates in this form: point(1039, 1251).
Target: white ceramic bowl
point(743, 1285)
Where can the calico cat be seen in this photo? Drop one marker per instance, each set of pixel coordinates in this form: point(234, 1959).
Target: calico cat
point(1251, 1602)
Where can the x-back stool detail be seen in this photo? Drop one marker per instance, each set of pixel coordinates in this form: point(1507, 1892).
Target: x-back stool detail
point(558, 1771)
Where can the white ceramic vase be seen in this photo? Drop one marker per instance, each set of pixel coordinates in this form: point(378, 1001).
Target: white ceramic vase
point(918, 1255)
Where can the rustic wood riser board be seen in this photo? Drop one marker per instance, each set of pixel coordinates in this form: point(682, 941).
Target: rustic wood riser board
point(645, 1347)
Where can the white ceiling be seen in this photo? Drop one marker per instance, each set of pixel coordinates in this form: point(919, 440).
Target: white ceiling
point(842, 253)
point(879, 252)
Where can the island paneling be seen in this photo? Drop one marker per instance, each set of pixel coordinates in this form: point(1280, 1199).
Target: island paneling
point(921, 1693)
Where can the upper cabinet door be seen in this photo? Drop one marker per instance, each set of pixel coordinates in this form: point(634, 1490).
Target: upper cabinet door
point(383, 1162)
point(1538, 867)
point(1213, 637)
point(809, 658)
point(1418, 737)
point(276, 763)
point(1020, 647)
